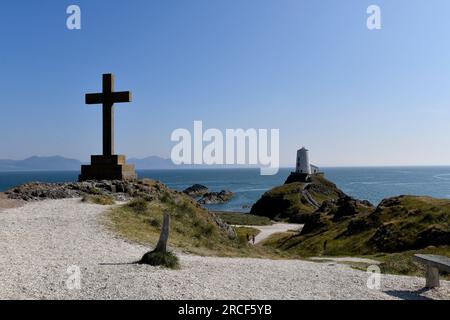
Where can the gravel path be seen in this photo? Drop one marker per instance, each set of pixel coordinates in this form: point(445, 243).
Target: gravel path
point(346, 259)
point(39, 241)
point(267, 231)
point(6, 203)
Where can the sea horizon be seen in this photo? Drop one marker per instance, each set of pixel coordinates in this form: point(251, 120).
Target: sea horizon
point(366, 183)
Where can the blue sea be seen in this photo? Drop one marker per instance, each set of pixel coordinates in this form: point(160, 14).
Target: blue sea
point(373, 184)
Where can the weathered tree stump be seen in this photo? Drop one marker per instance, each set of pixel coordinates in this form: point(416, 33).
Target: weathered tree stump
point(164, 236)
point(160, 256)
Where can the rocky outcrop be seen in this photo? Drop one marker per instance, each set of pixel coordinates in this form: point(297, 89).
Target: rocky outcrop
point(204, 196)
point(434, 235)
point(216, 197)
point(410, 222)
point(314, 222)
point(230, 231)
point(294, 201)
point(347, 226)
point(348, 207)
point(395, 225)
point(298, 177)
point(333, 211)
point(118, 189)
point(196, 190)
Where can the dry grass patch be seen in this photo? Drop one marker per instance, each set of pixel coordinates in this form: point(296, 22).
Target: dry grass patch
point(101, 199)
point(192, 228)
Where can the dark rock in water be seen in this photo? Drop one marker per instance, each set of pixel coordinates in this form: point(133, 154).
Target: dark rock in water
point(196, 190)
point(216, 197)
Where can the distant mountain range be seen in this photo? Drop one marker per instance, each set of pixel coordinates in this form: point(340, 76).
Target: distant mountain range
point(58, 163)
point(40, 163)
point(152, 162)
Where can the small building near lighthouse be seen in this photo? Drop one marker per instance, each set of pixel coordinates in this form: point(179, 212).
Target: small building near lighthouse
point(315, 170)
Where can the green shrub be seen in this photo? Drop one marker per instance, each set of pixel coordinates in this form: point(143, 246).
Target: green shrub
point(208, 229)
point(138, 205)
point(94, 190)
point(167, 198)
point(155, 258)
point(98, 199)
point(154, 222)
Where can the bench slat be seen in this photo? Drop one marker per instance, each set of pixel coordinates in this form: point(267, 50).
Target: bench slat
point(440, 262)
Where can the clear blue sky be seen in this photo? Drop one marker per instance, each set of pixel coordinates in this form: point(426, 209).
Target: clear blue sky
point(310, 68)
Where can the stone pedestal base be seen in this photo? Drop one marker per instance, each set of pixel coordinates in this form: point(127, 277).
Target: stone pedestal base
point(107, 168)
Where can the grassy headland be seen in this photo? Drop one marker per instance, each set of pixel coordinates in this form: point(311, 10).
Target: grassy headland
point(294, 201)
point(391, 233)
point(396, 225)
point(336, 225)
point(193, 229)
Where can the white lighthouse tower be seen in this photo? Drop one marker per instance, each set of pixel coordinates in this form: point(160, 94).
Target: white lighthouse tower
point(303, 165)
point(304, 170)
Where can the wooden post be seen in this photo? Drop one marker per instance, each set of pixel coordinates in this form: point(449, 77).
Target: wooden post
point(432, 275)
point(164, 236)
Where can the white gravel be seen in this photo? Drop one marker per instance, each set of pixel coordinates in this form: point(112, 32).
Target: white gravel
point(346, 259)
point(267, 231)
point(39, 241)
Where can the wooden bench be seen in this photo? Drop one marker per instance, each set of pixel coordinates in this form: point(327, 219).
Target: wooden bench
point(433, 264)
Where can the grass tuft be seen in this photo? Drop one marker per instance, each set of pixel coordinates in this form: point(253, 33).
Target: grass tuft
point(164, 259)
point(138, 205)
point(98, 199)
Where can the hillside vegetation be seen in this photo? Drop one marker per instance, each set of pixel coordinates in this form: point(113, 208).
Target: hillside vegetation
point(193, 229)
point(293, 202)
point(398, 224)
point(237, 218)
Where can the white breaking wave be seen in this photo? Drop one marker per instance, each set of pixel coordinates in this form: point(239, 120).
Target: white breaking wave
point(444, 176)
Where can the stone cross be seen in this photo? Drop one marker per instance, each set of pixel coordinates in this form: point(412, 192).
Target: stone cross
point(107, 98)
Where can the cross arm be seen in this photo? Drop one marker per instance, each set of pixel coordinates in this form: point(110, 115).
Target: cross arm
point(121, 96)
point(113, 97)
point(94, 98)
